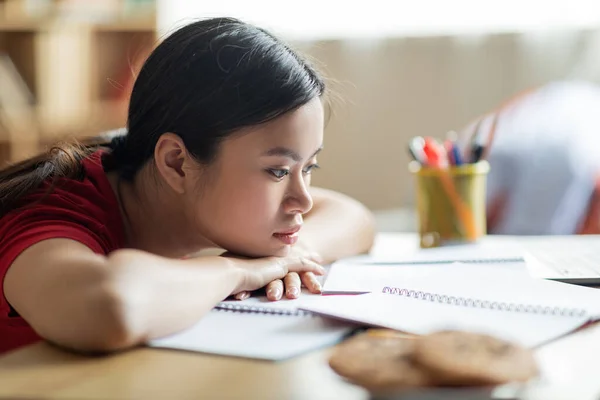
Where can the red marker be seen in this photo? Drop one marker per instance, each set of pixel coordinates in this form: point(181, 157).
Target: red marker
point(434, 153)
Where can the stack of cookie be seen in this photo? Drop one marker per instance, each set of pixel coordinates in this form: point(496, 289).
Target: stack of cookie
point(385, 361)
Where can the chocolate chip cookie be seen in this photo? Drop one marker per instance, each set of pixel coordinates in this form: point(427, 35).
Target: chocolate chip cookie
point(470, 359)
point(379, 361)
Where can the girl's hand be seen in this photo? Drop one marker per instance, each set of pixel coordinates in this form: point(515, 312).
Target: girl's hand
point(256, 273)
point(292, 283)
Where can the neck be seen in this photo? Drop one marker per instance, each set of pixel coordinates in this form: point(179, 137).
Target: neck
point(153, 219)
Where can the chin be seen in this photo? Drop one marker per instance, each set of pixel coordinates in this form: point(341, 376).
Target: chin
point(281, 251)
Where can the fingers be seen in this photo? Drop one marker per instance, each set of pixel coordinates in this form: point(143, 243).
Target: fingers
point(301, 264)
point(292, 285)
point(275, 290)
point(278, 267)
point(316, 257)
point(257, 273)
point(242, 295)
point(310, 281)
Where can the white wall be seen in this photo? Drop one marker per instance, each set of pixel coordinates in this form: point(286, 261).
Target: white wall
point(336, 19)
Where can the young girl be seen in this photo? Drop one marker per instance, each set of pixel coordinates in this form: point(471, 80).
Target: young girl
point(225, 125)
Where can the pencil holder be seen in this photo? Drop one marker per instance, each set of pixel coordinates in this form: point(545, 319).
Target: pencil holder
point(450, 203)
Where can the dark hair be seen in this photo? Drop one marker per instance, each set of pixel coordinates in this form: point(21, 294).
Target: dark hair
point(204, 82)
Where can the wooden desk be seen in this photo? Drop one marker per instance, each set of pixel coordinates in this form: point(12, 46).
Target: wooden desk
point(569, 372)
point(42, 371)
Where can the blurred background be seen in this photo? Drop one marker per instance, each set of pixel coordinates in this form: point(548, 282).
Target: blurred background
point(397, 69)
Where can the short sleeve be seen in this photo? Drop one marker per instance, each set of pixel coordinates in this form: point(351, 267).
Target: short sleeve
point(85, 210)
point(26, 228)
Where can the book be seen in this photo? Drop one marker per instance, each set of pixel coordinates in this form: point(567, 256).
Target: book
point(259, 329)
point(506, 303)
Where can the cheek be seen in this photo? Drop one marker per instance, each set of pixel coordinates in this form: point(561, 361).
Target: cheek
point(249, 204)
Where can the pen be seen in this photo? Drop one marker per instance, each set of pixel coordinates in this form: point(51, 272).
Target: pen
point(453, 149)
point(436, 157)
point(482, 138)
point(415, 148)
point(476, 152)
point(449, 147)
point(456, 154)
point(490, 137)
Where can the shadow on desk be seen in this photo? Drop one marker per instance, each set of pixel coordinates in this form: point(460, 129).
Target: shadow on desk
point(46, 355)
point(443, 394)
point(42, 371)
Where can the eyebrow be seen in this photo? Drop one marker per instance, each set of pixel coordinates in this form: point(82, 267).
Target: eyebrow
point(289, 153)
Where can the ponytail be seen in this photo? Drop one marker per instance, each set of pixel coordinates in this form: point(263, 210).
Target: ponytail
point(62, 160)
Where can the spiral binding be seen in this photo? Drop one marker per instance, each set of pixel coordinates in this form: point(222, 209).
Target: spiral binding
point(491, 305)
point(260, 310)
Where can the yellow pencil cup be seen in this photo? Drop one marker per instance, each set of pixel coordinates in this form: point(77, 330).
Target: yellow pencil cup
point(450, 203)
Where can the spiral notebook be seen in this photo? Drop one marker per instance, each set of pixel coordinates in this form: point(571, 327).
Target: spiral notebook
point(502, 302)
point(398, 248)
point(258, 329)
point(565, 258)
point(447, 256)
point(346, 277)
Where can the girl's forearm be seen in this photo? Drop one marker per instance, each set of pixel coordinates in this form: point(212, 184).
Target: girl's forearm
point(337, 226)
point(84, 301)
point(161, 297)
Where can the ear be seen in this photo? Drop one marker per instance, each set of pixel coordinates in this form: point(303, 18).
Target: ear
point(172, 159)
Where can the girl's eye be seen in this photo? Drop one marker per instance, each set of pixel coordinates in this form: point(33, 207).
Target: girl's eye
point(279, 173)
point(310, 168)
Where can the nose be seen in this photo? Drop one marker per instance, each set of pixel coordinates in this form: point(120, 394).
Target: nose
point(298, 199)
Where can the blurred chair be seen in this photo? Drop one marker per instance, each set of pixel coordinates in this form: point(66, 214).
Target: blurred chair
point(544, 152)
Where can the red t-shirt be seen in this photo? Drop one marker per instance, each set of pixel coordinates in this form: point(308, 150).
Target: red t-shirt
point(86, 211)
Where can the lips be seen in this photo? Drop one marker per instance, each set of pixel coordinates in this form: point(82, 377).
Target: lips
point(290, 231)
point(288, 236)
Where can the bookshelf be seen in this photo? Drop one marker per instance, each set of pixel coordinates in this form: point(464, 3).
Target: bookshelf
point(70, 64)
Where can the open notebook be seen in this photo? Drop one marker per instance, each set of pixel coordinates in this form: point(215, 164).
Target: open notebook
point(503, 302)
point(257, 328)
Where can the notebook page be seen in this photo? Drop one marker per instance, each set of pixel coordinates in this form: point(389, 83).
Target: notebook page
point(352, 278)
point(395, 248)
point(360, 278)
point(483, 282)
point(259, 336)
point(422, 317)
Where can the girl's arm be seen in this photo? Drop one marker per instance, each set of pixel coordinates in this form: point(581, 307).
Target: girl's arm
point(81, 300)
point(337, 226)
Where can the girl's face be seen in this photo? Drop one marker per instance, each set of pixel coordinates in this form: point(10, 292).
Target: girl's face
point(253, 196)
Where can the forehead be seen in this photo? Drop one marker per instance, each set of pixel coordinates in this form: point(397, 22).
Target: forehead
point(301, 130)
